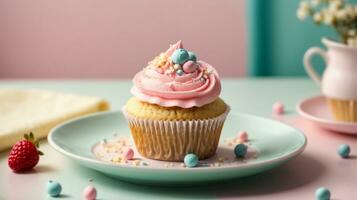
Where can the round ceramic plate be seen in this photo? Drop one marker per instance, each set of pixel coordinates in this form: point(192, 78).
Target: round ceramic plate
point(315, 109)
point(274, 142)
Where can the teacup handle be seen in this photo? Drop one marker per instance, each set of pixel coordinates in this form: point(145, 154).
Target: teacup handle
point(308, 66)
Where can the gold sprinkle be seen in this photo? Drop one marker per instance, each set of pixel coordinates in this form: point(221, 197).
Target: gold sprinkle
point(116, 159)
point(136, 162)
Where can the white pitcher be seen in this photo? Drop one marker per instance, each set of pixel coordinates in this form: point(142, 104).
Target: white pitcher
point(339, 80)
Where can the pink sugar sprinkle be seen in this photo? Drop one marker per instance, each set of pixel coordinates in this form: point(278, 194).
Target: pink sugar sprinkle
point(278, 108)
point(128, 154)
point(242, 135)
point(90, 193)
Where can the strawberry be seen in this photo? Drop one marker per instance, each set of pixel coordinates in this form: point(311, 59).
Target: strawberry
point(24, 155)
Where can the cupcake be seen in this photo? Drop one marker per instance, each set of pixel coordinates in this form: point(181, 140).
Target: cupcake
point(176, 107)
point(343, 110)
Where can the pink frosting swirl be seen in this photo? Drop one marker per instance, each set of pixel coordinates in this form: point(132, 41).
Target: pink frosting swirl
point(188, 90)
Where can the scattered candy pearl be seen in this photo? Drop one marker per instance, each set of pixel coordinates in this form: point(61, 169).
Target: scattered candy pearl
point(179, 72)
point(322, 194)
point(243, 136)
point(89, 193)
point(344, 150)
point(179, 56)
point(189, 66)
point(53, 188)
point(192, 56)
point(240, 150)
point(278, 108)
point(128, 154)
point(191, 160)
point(202, 79)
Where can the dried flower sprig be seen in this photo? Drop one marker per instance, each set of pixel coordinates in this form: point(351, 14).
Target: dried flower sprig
point(338, 14)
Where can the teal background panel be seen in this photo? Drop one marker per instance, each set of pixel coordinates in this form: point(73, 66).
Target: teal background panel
point(277, 39)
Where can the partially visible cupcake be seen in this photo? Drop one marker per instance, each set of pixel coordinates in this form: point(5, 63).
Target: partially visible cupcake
point(343, 110)
point(176, 107)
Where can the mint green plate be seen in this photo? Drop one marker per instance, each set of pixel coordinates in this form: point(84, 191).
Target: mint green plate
point(275, 142)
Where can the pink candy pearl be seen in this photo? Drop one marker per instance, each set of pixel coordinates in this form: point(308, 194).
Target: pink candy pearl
point(128, 154)
point(189, 66)
point(278, 108)
point(89, 193)
point(243, 136)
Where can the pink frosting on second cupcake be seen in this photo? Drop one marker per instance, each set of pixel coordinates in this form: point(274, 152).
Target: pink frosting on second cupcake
point(159, 83)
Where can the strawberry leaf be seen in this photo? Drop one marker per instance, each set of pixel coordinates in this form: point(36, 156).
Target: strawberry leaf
point(32, 137)
point(37, 144)
point(40, 153)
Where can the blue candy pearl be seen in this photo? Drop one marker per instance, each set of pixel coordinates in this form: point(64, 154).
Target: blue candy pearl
point(192, 56)
point(191, 160)
point(54, 188)
point(240, 150)
point(179, 56)
point(322, 194)
point(344, 150)
point(179, 72)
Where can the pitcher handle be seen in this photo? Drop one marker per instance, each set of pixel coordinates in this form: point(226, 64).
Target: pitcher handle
point(308, 66)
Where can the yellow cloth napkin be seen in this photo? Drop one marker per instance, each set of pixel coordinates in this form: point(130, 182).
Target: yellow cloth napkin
point(23, 111)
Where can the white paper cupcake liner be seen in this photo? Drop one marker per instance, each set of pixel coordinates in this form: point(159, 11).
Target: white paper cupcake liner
point(171, 140)
point(343, 110)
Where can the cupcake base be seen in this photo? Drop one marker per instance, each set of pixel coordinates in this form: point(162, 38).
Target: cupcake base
point(343, 110)
point(171, 140)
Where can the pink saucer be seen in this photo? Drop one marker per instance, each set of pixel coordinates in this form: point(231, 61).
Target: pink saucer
point(315, 109)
